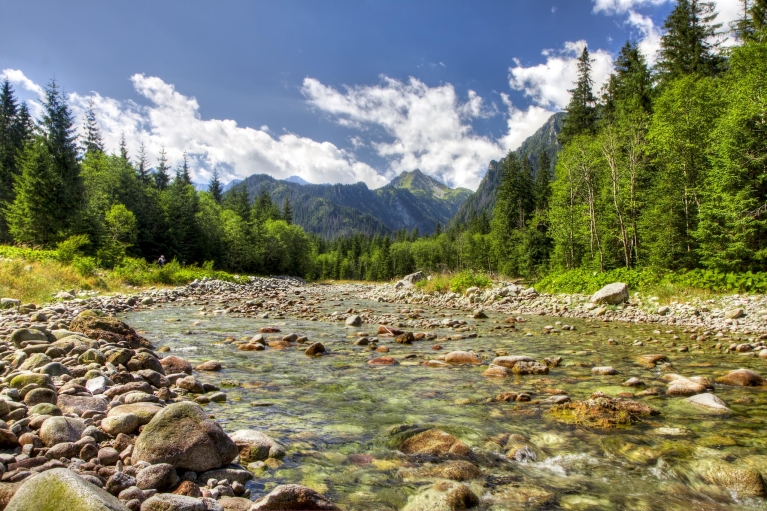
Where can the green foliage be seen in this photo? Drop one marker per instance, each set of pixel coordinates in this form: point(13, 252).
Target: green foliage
point(455, 282)
point(68, 249)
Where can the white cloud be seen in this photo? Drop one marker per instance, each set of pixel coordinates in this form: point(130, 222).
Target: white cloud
point(649, 44)
point(172, 120)
point(548, 84)
point(522, 123)
point(430, 127)
point(624, 6)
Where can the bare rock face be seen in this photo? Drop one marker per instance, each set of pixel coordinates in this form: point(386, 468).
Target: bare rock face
point(182, 435)
point(109, 329)
point(612, 294)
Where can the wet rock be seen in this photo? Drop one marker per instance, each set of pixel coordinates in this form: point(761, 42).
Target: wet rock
point(603, 371)
point(684, 387)
point(633, 382)
point(188, 488)
point(62, 490)
point(388, 330)
point(406, 338)
point(462, 357)
point(651, 360)
point(256, 446)
point(511, 361)
point(191, 384)
point(316, 348)
point(382, 361)
point(524, 368)
point(210, 365)
point(742, 481)
point(443, 496)
point(171, 502)
point(174, 365)
point(742, 378)
point(354, 320)
point(709, 402)
point(109, 329)
point(479, 314)
point(436, 442)
point(496, 371)
point(458, 470)
point(611, 294)
point(293, 496)
point(235, 503)
point(182, 435)
point(601, 412)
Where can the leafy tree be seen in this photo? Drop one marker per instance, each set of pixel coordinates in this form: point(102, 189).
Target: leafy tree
point(581, 111)
point(688, 46)
point(215, 188)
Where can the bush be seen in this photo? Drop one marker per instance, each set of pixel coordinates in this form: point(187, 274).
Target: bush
point(456, 282)
point(68, 249)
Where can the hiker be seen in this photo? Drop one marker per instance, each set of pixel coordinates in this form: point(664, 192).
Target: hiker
point(161, 261)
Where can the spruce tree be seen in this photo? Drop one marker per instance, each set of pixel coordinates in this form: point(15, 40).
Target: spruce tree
point(93, 141)
point(142, 165)
point(10, 146)
point(237, 200)
point(287, 211)
point(581, 111)
point(123, 147)
point(161, 177)
point(689, 46)
point(215, 188)
point(182, 171)
point(542, 183)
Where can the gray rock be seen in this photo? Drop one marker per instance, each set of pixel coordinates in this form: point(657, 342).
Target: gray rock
point(293, 496)
point(80, 404)
point(612, 294)
point(22, 336)
point(353, 320)
point(9, 303)
point(126, 424)
point(56, 430)
point(231, 473)
point(709, 402)
point(256, 446)
point(157, 477)
point(62, 490)
point(171, 502)
point(182, 434)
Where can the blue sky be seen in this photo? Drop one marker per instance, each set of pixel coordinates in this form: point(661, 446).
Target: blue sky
point(333, 91)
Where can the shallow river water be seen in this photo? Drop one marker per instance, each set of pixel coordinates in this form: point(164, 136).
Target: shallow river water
point(334, 413)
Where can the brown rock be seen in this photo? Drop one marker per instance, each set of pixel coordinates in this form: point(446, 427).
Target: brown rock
point(742, 378)
point(173, 364)
point(293, 497)
point(462, 357)
point(109, 329)
point(434, 441)
point(210, 365)
point(382, 361)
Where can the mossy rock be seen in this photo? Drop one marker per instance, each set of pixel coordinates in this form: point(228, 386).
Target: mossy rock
point(45, 409)
point(144, 411)
point(435, 442)
point(22, 380)
point(61, 489)
point(110, 329)
point(601, 412)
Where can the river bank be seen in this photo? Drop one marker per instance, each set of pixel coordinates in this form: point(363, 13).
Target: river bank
point(381, 397)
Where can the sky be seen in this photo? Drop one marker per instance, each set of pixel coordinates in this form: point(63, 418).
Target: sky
point(336, 91)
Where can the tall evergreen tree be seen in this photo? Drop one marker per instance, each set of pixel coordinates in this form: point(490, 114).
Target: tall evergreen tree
point(542, 183)
point(581, 111)
point(287, 211)
point(215, 188)
point(11, 142)
point(93, 140)
point(689, 45)
point(237, 200)
point(161, 176)
point(142, 165)
point(182, 171)
point(123, 147)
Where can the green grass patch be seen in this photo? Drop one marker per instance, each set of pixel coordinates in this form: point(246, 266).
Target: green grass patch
point(455, 282)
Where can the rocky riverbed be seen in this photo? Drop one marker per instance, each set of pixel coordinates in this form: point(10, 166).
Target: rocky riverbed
point(278, 394)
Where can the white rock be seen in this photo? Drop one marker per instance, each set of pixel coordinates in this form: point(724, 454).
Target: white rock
point(709, 401)
point(612, 294)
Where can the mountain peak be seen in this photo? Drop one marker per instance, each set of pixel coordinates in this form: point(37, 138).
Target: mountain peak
point(417, 181)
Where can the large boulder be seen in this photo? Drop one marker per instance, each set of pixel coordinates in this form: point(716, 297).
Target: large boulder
point(56, 430)
point(60, 489)
point(81, 404)
point(612, 294)
point(256, 446)
point(293, 497)
point(183, 435)
point(109, 329)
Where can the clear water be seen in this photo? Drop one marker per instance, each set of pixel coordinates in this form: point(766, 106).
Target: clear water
point(334, 413)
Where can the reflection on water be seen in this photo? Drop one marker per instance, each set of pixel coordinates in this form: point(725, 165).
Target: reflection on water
point(334, 413)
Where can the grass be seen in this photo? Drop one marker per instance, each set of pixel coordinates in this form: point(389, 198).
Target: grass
point(455, 282)
point(33, 275)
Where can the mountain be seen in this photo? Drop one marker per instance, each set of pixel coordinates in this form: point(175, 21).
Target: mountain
point(411, 200)
point(231, 184)
point(296, 179)
point(483, 200)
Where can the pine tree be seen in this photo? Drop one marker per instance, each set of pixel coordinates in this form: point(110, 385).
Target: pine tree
point(93, 140)
point(689, 46)
point(58, 129)
point(542, 183)
point(142, 165)
point(287, 211)
point(438, 229)
point(182, 171)
point(237, 200)
point(581, 111)
point(10, 146)
point(123, 147)
point(161, 177)
point(629, 86)
point(215, 188)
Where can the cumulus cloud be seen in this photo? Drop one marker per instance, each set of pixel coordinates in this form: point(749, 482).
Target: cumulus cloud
point(172, 120)
point(624, 6)
point(548, 83)
point(522, 123)
point(428, 128)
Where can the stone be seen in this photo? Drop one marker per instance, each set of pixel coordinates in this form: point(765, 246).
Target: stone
point(354, 320)
point(603, 371)
point(157, 477)
point(37, 396)
point(389, 330)
point(742, 378)
point(462, 357)
point(443, 496)
point(110, 329)
point(709, 402)
point(316, 348)
point(108, 456)
point(126, 424)
point(382, 361)
point(611, 294)
point(436, 442)
point(510, 361)
point(734, 313)
point(496, 371)
point(602, 412)
point(118, 482)
point(406, 338)
point(479, 314)
point(62, 490)
point(235, 503)
point(22, 336)
point(9, 303)
point(191, 384)
point(651, 360)
point(210, 365)
point(183, 435)
point(293, 497)
point(22, 380)
point(232, 473)
point(171, 502)
point(174, 365)
point(742, 481)
point(56, 430)
point(684, 387)
point(524, 368)
point(256, 446)
point(144, 411)
point(188, 488)
point(34, 361)
point(80, 404)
